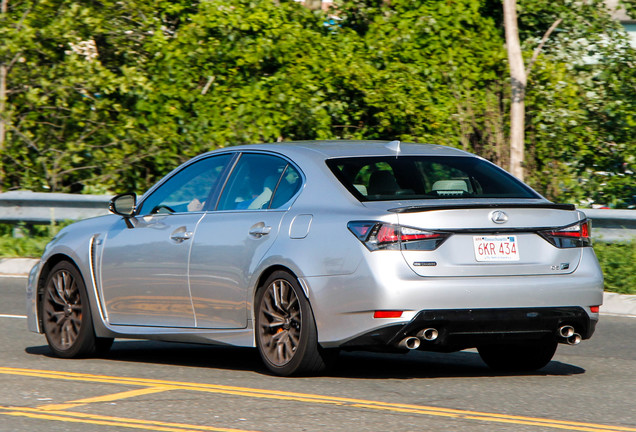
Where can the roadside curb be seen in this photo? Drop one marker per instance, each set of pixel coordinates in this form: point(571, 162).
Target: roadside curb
point(618, 304)
point(16, 266)
point(613, 304)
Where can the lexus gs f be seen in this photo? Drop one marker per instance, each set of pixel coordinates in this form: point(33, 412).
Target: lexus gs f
point(304, 249)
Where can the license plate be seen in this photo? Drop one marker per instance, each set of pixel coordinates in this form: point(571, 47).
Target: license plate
point(496, 248)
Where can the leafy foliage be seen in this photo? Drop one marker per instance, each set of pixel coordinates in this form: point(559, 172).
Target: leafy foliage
point(618, 261)
point(430, 76)
point(109, 96)
point(22, 241)
point(582, 104)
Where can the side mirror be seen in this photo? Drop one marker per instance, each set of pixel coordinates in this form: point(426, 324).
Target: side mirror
point(123, 204)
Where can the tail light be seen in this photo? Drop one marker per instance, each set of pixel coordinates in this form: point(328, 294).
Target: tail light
point(571, 236)
point(383, 236)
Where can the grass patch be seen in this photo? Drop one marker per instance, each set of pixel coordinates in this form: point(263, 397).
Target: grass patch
point(618, 261)
point(21, 241)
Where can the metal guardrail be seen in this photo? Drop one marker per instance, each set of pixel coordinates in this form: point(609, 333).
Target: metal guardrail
point(43, 208)
point(612, 225)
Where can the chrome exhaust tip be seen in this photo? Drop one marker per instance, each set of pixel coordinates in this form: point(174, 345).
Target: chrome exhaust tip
point(575, 339)
point(409, 342)
point(429, 334)
point(566, 331)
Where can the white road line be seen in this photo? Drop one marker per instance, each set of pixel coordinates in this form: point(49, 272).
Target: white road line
point(13, 316)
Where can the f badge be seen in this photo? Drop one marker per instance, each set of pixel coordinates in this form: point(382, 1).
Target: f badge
point(498, 217)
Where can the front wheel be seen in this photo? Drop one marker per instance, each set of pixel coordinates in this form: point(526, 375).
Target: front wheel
point(519, 357)
point(286, 334)
point(66, 315)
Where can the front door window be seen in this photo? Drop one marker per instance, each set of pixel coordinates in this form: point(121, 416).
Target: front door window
point(188, 190)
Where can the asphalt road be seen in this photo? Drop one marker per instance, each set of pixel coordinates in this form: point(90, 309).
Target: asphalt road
point(177, 387)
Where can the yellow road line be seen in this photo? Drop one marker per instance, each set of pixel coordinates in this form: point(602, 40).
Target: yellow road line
point(71, 417)
point(320, 399)
point(106, 398)
point(554, 424)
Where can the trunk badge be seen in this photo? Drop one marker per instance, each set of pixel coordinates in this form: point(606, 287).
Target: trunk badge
point(498, 217)
point(425, 263)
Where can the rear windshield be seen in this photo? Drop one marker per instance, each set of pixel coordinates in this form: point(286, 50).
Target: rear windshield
point(425, 177)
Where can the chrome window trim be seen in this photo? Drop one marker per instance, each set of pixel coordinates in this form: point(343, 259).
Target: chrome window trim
point(218, 191)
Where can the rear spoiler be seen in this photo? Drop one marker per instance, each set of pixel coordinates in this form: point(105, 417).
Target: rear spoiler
point(416, 209)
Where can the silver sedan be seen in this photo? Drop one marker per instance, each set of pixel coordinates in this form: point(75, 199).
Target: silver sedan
point(304, 249)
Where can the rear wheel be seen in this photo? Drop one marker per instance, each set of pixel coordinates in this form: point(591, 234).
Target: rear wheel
point(286, 334)
point(66, 315)
point(528, 356)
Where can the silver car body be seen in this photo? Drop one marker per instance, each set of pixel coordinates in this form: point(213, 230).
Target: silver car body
point(192, 276)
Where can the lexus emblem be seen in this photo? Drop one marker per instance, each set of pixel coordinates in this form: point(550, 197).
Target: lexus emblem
point(499, 217)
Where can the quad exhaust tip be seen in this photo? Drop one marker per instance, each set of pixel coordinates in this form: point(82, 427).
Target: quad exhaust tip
point(566, 331)
point(575, 339)
point(429, 334)
point(409, 342)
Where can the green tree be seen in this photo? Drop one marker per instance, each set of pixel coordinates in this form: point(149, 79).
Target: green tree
point(248, 71)
point(581, 144)
point(70, 67)
point(437, 69)
point(105, 96)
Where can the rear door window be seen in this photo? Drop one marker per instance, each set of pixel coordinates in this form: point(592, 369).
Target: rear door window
point(259, 182)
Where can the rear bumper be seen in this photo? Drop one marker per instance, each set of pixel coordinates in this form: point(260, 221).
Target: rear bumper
point(467, 328)
point(344, 305)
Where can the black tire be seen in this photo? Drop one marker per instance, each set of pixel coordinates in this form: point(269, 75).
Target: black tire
point(285, 328)
point(66, 315)
point(521, 357)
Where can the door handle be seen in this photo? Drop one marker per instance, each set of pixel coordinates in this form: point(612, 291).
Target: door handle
point(259, 230)
point(181, 234)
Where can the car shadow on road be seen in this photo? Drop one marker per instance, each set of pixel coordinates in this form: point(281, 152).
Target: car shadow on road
point(419, 364)
point(364, 365)
point(177, 354)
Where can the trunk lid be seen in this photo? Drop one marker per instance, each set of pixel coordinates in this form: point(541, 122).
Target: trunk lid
point(508, 232)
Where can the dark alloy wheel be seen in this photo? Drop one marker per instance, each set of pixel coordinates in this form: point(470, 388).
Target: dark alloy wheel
point(66, 315)
point(285, 328)
point(521, 357)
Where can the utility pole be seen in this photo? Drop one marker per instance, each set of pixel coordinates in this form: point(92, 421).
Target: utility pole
point(3, 97)
point(313, 4)
point(518, 79)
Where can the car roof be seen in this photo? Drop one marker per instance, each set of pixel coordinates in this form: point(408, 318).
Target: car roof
point(328, 149)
